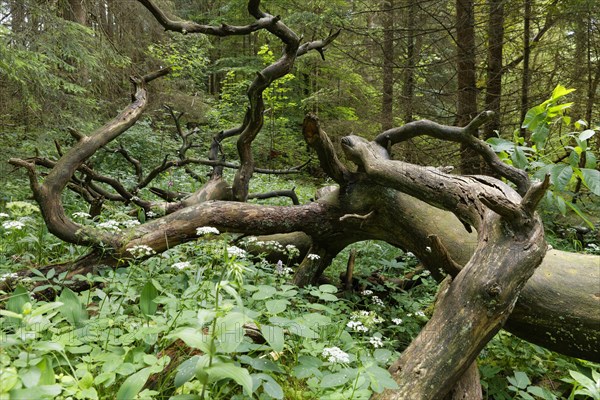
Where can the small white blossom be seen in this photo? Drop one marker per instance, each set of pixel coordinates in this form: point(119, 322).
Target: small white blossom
point(428, 249)
point(366, 292)
point(420, 314)
point(110, 225)
point(397, 321)
point(251, 239)
point(313, 256)
point(130, 223)
point(235, 251)
point(377, 301)
point(140, 250)
point(150, 214)
point(377, 319)
point(81, 214)
point(181, 265)
point(10, 275)
point(410, 254)
point(365, 313)
point(290, 247)
point(13, 225)
point(205, 230)
point(357, 326)
point(4, 215)
point(335, 355)
point(376, 341)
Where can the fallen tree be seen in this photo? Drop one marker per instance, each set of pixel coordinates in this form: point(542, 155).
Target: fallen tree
point(481, 232)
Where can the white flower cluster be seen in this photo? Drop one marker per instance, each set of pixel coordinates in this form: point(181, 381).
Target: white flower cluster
point(13, 225)
point(130, 223)
point(81, 214)
point(335, 355)
point(313, 256)
point(10, 276)
point(397, 321)
point(366, 292)
point(235, 251)
point(151, 214)
point(420, 314)
point(140, 250)
point(207, 230)
point(377, 301)
point(4, 215)
point(376, 341)
point(181, 265)
point(357, 326)
point(110, 225)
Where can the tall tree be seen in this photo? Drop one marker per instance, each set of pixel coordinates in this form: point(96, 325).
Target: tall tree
point(526, 77)
point(466, 102)
point(387, 100)
point(493, 92)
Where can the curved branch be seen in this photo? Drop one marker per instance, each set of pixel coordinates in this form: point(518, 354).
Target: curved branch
point(460, 135)
point(193, 27)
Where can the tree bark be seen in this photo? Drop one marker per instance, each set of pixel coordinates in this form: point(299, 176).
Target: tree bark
point(493, 92)
point(526, 78)
point(466, 105)
point(387, 100)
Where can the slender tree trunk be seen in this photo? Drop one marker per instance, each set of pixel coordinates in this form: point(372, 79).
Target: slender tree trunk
point(526, 72)
point(408, 86)
point(466, 108)
point(387, 101)
point(493, 93)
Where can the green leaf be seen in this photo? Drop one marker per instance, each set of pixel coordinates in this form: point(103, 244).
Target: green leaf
point(46, 308)
point(264, 292)
point(519, 158)
point(560, 91)
point(276, 306)
point(585, 135)
point(500, 145)
point(335, 379)
point(380, 378)
point(186, 371)
point(38, 392)
point(147, 304)
point(72, 308)
point(216, 372)
point(271, 387)
point(561, 204)
point(580, 213)
point(591, 179)
point(328, 289)
point(193, 338)
point(134, 384)
point(560, 175)
point(230, 331)
point(520, 380)
point(17, 299)
point(274, 335)
point(11, 314)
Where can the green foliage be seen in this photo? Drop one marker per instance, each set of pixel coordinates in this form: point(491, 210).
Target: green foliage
point(568, 158)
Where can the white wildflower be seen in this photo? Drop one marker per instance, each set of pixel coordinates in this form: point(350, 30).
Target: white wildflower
point(313, 256)
point(290, 247)
point(81, 214)
point(251, 239)
point(410, 254)
point(335, 355)
point(409, 315)
point(150, 214)
point(376, 341)
point(9, 276)
point(397, 321)
point(377, 319)
point(206, 230)
point(420, 314)
point(110, 225)
point(130, 223)
point(13, 225)
point(235, 251)
point(140, 250)
point(366, 292)
point(377, 301)
point(357, 326)
point(364, 313)
point(181, 265)
point(4, 215)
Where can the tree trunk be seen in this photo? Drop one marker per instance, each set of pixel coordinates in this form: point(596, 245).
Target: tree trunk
point(466, 106)
point(493, 92)
point(525, 82)
point(387, 100)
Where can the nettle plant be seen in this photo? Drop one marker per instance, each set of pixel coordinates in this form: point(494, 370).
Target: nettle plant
point(557, 147)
